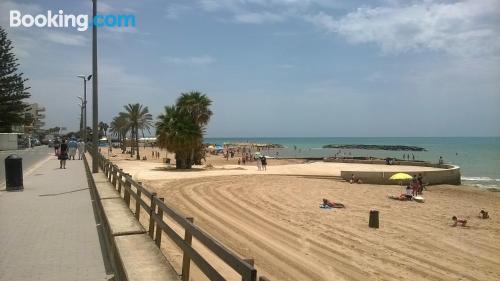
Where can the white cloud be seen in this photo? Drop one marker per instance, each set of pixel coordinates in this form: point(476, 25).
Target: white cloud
point(259, 18)
point(462, 28)
point(174, 11)
point(192, 61)
point(103, 7)
point(66, 38)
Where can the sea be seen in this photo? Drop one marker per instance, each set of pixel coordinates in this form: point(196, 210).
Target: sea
point(478, 157)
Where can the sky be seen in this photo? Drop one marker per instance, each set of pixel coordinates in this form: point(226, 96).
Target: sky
point(278, 68)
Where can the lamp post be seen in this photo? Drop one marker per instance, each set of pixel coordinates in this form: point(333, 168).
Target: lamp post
point(84, 103)
point(95, 116)
point(81, 116)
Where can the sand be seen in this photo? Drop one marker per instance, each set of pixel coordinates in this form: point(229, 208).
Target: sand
point(276, 220)
point(154, 168)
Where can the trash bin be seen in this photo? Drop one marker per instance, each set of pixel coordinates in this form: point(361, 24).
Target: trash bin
point(14, 172)
point(373, 222)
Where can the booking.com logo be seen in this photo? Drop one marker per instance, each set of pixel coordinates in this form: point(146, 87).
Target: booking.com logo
point(80, 22)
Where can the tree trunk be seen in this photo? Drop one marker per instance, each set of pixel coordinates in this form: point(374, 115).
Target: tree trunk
point(132, 142)
point(137, 143)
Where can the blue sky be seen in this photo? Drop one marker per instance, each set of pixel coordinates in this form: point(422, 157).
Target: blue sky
point(280, 67)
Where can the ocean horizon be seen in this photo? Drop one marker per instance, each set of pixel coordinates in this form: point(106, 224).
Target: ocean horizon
point(478, 157)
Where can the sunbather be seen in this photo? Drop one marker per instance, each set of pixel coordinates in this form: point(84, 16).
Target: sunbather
point(404, 197)
point(457, 221)
point(330, 204)
point(484, 215)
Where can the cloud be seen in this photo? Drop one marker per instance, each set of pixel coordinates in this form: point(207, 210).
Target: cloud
point(174, 11)
point(259, 18)
point(103, 7)
point(66, 38)
point(191, 61)
point(462, 28)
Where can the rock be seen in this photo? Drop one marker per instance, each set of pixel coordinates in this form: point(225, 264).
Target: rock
point(375, 147)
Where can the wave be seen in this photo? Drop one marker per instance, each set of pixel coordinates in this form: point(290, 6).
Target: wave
point(482, 179)
point(482, 182)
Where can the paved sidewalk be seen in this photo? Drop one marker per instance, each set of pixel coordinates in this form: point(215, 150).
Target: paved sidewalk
point(48, 231)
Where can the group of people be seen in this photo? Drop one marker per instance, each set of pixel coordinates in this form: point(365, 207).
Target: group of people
point(65, 150)
point(261, 163)
point(463, 222)
point(414, 188)
point(155, 154)
point(417, 185)
point(407, 156)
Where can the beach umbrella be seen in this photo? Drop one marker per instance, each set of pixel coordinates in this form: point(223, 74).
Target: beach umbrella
point(401, 176)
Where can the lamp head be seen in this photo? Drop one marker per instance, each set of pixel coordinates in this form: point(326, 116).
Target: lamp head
point(90, 77)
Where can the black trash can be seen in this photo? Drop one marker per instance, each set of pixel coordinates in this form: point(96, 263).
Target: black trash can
point(373, 221)
point(14, 173)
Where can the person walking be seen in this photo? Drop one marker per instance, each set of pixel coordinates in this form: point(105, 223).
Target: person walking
point(63, 154)
point(72, 146)
point(264, 163)
point(81, 149)
point(259, 164)
point(57, 144)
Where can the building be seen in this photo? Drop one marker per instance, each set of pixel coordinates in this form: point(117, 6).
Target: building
point(33, 115)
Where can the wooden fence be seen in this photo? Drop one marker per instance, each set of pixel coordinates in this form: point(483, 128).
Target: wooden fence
point(157, 209)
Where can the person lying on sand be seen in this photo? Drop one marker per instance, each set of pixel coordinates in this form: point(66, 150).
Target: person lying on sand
point(484, 215)
point(404, 197)
point(327, 203)
point(457, 221)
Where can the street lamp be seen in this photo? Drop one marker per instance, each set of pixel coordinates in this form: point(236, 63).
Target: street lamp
point(84, 103)
point(82, 106)
point(95, 115)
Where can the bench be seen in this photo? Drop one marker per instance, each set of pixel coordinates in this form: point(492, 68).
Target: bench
point(105, 190)
point(119, 218)
point(141, 259)
point(100, 177)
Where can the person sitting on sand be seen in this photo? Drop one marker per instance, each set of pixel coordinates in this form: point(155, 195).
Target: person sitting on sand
point(354, 180)
point(328, 203)
point(484, 215)
point(457, 221)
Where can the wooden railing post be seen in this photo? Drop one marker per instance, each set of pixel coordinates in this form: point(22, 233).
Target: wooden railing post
point(158, 229)
point(138, 202)
point(186, 260)
point(151, 212)
point(126, 193)
point(113, 181)
point(120, 182)
point(110, 171)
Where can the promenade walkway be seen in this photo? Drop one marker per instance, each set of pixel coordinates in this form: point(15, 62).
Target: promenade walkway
point(48, 231)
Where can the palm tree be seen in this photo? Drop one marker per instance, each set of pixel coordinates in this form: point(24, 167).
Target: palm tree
point(177, 129)
point(103, 128)
point(139, 118)
point(119, 127)
point(197, 105)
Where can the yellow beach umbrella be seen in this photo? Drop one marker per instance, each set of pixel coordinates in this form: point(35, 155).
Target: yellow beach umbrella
point(401, 176)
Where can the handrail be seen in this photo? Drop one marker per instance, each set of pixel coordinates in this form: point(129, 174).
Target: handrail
point(157, 208)
point(222, 252)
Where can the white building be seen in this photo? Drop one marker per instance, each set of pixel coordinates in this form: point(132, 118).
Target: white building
point(35, 113)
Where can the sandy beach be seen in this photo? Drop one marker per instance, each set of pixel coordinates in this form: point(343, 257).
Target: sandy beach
point(276, 220)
